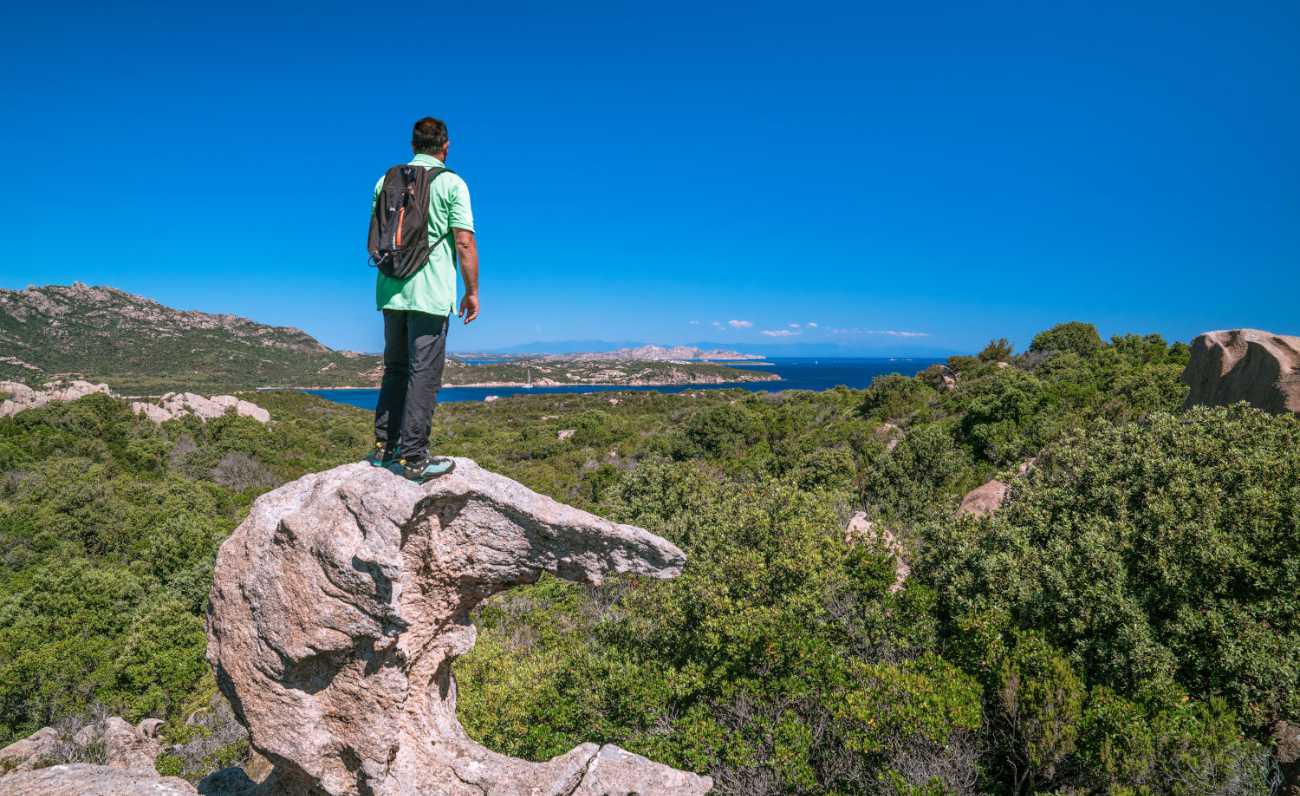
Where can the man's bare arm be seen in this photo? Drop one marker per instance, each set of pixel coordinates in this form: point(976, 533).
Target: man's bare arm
point(467, 253)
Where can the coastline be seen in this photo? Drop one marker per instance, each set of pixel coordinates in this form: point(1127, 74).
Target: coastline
point(515, 384)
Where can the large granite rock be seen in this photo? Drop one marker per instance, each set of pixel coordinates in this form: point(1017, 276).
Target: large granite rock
point(176, 405)
point(37, 749)
point(983, 500)
point(1260, 368)
point(339, 604)
point(21, 397)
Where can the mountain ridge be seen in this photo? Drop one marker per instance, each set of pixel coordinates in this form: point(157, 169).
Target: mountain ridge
point(138, 346)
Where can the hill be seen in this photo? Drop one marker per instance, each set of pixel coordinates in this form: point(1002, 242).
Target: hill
point(138, 346)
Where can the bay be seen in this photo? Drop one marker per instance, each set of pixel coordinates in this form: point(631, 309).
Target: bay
point(797, 373)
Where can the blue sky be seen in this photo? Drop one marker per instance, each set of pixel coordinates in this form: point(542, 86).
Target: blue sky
point(955, 172)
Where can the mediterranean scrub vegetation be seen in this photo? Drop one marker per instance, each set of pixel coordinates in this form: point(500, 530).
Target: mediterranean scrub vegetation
point(1127, 623)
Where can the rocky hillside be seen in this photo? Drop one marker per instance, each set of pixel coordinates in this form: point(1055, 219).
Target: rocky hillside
point(137, 345)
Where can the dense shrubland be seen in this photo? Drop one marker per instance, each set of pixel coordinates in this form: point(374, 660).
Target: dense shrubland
point(1126, 624)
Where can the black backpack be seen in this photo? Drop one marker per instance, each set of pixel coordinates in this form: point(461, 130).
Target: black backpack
point(399, 227)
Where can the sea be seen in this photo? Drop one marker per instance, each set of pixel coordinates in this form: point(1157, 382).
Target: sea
point(797, 373)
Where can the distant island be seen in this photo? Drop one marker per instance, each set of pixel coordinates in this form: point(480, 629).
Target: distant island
point(141, 347)
point(554, 371)
point(657, 353)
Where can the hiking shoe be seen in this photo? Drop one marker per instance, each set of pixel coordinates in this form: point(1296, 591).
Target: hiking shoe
point(423, 470)
point(381, 456)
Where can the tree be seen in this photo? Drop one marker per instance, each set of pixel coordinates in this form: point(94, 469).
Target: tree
point(998, 350)
point(1081, 338)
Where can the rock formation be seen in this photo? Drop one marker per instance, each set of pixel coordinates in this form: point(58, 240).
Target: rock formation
point(176, 405)
point(1260, 368)
point(339, 604)
point(21, 397)
point(36, 765)
point(35, 750)
point(984, 500)
point(84, 779)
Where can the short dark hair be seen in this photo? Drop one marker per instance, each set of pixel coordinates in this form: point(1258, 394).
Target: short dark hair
point(429, 136)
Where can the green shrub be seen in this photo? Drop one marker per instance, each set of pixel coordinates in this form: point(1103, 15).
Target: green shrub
point(998, 350)
point(1080, 338)
point(892, 397)
point(1037, 703)
point(1153, 553)
point(1004, 416)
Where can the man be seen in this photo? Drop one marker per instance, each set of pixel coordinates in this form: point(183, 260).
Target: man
point(416, 314)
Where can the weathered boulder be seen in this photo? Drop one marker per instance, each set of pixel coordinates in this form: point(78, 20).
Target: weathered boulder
point(35, 750)
point(84, 779)
point(21, 397)
point(124, 746)
point(38, 764)
point(1260, 368)
point(131, 747)
point(339, 604)
point(176, 405)
point(983, 500)
point(862, 529)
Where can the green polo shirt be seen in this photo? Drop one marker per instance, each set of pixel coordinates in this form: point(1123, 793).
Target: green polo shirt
point(432, 289)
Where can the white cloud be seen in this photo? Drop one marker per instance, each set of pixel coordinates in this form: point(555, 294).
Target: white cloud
point(811, 324)
point(740, 324)
point(694, 323)
point(778, 333)
point(717, 324)
point(882, 332)
point(793, 325)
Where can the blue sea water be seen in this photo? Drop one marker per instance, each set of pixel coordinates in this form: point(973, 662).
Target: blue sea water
point(797, 373)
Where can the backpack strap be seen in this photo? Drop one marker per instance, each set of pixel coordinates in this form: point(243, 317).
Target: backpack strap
point(434, 173)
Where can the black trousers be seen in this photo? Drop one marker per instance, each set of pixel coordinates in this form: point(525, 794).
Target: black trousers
point(415, 352)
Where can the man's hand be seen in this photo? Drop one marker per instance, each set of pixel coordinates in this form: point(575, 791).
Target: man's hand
point(468, 307)
point(467, 250)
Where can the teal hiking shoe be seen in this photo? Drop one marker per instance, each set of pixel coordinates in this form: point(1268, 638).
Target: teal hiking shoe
point(423, 470)
point(381, 456)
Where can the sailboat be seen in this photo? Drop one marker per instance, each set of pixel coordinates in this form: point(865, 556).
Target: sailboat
point(529, 385)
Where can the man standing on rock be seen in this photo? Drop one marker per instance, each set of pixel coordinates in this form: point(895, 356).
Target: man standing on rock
point(418, 298)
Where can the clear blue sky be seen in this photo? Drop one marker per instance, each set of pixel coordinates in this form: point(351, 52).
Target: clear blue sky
point(961, 171)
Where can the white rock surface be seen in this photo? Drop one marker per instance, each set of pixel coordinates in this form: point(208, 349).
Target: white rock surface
point(177, 405)
point(22, 397)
